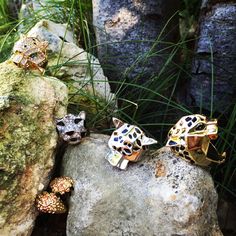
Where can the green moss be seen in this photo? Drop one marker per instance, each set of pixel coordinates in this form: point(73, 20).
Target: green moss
point(26, 128)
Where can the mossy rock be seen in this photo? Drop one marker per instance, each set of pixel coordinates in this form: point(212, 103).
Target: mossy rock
point(29, 104)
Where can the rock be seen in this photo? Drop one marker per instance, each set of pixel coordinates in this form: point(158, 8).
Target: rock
point(126, 34)
point(88, 87)
point(217, 33)
point(160, 195)
point(29, 103)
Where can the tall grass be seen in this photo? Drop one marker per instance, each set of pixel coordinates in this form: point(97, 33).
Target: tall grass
point(153, 105)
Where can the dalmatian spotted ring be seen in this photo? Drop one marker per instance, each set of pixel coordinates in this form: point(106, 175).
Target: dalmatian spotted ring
point(126, 144)
point(190, 138)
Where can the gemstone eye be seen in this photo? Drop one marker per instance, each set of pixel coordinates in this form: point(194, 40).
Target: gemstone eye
point(33, 55)
point(200, 126)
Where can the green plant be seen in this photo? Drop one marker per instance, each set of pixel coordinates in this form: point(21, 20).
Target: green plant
point(152, 104)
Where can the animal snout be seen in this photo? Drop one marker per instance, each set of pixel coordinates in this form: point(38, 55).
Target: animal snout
point(70, 133)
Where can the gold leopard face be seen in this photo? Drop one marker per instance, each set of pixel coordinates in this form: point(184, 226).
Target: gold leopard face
point(30, 53)
point(190, 138)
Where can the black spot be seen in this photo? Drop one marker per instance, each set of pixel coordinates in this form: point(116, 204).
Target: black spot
point(129, 145)
point(77, 120)
point(115, 133)
point(172, 142)
point(174, 127)
point(25, 46)
point(138, 143)
point(124, 131)
point(114, 147)
point(83, 134)
point(181, 154)
point(194, 119)
point(130, 136)
point(60, 123)
point(177, 149)
point(127, 151)
point(119, 149)
point(190, 124)
point(187, 157)
point(135, 135)
point(138, 130)
point(136, 148)
point(185, 153)
point(188, 119)
point(182, 148)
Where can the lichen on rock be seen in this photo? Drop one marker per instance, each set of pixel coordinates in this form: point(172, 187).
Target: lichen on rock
point(29, 103)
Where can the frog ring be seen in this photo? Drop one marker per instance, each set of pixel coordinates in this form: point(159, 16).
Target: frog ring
point(126, 143)
point(190, 139)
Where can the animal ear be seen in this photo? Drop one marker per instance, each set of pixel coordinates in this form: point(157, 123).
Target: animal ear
point(148, 141)
point(82, 115)
point(117, 123)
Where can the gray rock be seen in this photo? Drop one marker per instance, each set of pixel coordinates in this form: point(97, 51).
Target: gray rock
point(80, 70)
point(29, 103)
point(217, 38)
point(160, 195)
point(125, 33)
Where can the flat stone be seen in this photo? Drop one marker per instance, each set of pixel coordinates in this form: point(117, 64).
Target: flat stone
point(159, 195)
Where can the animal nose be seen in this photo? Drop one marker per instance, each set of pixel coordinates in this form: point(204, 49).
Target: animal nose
point(70, 133)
